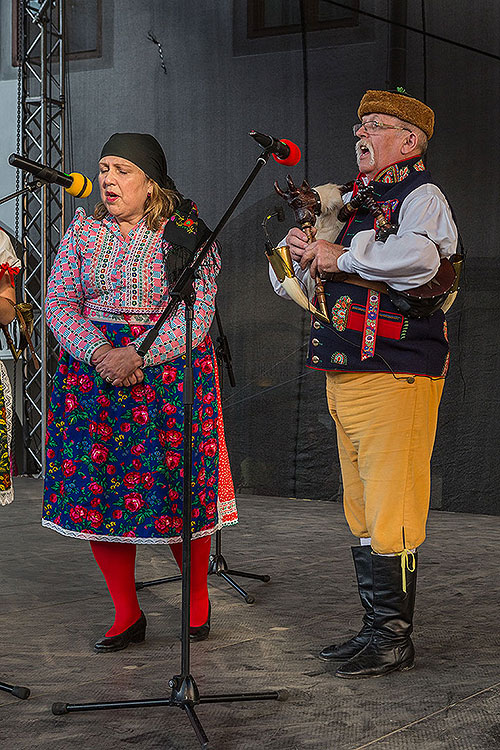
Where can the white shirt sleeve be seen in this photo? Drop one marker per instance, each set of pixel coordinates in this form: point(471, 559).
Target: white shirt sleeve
point(411, 257)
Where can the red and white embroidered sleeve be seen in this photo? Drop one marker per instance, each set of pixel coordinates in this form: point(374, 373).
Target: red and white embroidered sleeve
point(65, 298)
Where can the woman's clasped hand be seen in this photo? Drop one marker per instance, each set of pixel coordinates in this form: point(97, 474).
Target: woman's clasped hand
point(118, 366)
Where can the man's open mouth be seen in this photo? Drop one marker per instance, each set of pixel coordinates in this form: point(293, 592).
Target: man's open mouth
point(364, 149)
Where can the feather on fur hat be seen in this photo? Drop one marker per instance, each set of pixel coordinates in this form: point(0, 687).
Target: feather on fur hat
point(398, 105)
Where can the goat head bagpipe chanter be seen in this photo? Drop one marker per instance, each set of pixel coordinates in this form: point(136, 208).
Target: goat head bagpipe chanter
point(313, 207)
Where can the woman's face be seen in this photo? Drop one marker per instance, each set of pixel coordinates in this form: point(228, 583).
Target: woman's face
point(124, 188)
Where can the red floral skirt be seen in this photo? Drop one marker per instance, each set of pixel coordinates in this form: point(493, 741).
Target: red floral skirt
point(114, 456)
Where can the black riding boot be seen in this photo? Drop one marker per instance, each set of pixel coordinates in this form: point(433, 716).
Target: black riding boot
point(362, 557)
point(390, 647)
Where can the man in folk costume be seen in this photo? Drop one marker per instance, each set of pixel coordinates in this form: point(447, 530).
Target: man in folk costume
point(384, 369)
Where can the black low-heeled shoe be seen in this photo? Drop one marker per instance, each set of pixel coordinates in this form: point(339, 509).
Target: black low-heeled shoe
point(136, 633)
point(201, 632)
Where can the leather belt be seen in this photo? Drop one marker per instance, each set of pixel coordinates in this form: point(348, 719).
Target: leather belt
point(353, 278)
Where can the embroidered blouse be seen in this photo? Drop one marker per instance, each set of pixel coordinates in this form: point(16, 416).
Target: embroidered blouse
point(99, 275)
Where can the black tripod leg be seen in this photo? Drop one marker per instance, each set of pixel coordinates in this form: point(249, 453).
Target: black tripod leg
point(271, 695)
point(218, 566)
point(17, 690)
point(255, 576)
point(196, 724)
point(144, 584)
point(247, 597)
point(58, 709)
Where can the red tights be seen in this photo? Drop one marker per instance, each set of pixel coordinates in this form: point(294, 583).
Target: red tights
point(198, 601)
point(117, 563)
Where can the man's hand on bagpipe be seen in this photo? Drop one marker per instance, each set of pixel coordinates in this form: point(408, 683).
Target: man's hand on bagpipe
point(321, 256)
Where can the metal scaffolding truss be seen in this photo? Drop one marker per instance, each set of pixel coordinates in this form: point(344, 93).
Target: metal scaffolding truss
point(41, 56)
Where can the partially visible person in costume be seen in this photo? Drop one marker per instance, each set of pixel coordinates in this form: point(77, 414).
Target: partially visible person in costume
point(384, 370)
point(9, 267)
point(115, 424)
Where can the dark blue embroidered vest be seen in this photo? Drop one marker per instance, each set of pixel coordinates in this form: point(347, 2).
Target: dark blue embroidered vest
point(403, 345)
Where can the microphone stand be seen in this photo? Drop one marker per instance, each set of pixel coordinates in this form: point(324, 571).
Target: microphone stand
point(217, 564)
point(184, 690)
point(28, 188)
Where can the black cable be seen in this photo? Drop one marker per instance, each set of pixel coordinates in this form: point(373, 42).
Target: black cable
point(89, 208)
point(459, 338)
point(305, 89)
point(72, 199)
point(266, 390)
point(388, 82)
point(415, 30)
point(305, 77)
point(424, 49)
point(250, 383)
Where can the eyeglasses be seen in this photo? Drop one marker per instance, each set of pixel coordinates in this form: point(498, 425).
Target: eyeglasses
point(374, 126)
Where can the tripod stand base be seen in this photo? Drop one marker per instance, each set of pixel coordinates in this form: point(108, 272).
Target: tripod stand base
point(184, 695)
point(16, 690)
point(58, 709)
point(217, 566)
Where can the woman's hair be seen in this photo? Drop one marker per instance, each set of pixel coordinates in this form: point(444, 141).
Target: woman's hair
point(159, 205)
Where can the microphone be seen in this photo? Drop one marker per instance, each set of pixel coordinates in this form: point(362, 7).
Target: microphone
point(284, 152)
point(75, 183)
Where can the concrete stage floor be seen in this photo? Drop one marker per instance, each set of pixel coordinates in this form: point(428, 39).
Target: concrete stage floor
point(54, 605)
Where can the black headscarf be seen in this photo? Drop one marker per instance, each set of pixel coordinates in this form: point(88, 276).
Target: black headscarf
point(143, 150)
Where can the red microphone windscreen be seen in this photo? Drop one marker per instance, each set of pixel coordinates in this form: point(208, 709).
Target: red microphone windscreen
point(294, 155)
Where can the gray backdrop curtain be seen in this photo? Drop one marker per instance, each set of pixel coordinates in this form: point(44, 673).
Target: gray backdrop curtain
point(218, 85)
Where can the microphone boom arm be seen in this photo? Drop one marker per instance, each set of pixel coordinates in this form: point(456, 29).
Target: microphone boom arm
point(28, 188)
point(184, 285)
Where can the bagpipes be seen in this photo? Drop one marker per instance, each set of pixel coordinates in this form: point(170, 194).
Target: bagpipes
point(25, 321)
point(323, 208)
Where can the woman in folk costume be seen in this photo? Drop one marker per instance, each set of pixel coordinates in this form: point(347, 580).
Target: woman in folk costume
point(115, 423)
point(9, 267)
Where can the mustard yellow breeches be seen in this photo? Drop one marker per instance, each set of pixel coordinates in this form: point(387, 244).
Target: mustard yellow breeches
point(385, 433)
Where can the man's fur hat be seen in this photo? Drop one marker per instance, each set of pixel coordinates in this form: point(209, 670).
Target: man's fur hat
point(398, 105)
